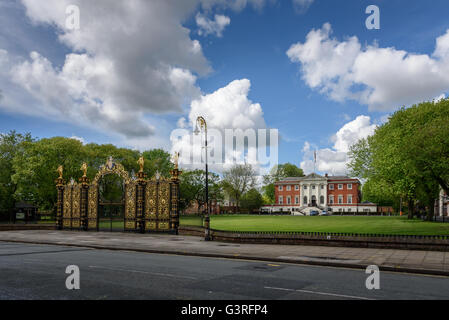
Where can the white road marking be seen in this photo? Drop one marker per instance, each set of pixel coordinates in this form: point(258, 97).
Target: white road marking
point(146, 272)
point(320, 293)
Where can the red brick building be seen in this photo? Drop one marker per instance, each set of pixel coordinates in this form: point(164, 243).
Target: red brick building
point(315, 192)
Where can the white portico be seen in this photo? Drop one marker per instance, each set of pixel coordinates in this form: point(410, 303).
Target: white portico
point(313, 191)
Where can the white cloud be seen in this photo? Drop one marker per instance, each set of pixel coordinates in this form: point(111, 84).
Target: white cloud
point(227, 108)
point(382, 78)
point(128, 60)
point(333, 160)
point(80, 139)
point(302, 5)
point(207, 26)
point(439, 98)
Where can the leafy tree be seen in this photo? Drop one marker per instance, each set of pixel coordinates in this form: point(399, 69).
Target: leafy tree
point(407, 156)
point(10, 145)
point(97, 155)
point(252, 200)
point(157, 160)
point(238, 180)
point(35, 168)
point(193, 188)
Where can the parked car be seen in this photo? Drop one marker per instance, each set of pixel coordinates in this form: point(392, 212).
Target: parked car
point(324, 213)
point(314, 213)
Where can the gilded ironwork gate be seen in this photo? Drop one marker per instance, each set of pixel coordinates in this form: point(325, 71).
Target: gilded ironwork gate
point(151, 205)
point(72, 206)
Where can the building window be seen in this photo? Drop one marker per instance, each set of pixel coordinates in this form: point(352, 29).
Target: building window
point(296, 187)
point(296, 200)
point(289, 188)
point(305, 187)
point(331, 187)
point(305, 201)
point(340, 187)
point(349, 210)
point(313, 187)
point(280, 188)
point(349, 186)
point(350, 199)
point(281, 200)
point(331, 199)
point(340, 199)
point(322, 187)
point(322, 200)
point(289, 200)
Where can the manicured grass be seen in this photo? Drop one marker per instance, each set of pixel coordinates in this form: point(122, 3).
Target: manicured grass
point(340, 224)
point(195, 221)
point(116, 225)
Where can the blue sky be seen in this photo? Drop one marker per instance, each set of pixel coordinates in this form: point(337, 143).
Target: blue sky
point(252, 46)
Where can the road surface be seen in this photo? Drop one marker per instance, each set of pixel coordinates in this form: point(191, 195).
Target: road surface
point(31, 271)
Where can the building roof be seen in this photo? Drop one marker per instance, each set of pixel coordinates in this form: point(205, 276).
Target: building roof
point(314, 176)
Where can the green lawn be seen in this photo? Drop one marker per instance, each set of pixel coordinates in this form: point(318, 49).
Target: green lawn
point(340, 224)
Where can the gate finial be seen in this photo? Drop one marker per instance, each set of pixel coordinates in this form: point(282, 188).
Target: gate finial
point(84, 169)
point(141, 163)
point(60, 170)
point(176, 159)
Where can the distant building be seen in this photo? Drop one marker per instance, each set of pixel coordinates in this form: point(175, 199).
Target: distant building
point(316, 192)
point(227, 206)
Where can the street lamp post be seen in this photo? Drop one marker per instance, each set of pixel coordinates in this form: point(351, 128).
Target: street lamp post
point(201, 123)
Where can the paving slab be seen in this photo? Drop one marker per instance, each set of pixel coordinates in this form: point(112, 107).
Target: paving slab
point(413, 261)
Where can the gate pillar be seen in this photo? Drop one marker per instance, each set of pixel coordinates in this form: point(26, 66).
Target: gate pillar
point(174, 212)
point(140, 195)
point(84, 203)
point(60, 198)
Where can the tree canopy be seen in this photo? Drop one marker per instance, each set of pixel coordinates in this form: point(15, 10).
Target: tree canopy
point(29, 165)
point(408, 156)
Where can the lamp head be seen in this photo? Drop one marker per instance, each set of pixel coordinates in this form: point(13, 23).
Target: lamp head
point(197, 130)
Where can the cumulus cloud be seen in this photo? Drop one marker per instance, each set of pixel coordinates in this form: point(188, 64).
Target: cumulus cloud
point(382, 78)
point(227, 108)
point(302, 5)
point(334, 160)
point(128, 60)
point(80, 139)
point(207, 26)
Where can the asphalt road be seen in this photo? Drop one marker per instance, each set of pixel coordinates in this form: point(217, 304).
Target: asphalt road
point(38, 272)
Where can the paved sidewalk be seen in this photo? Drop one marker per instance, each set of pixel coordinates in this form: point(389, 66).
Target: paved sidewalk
point(426, 262)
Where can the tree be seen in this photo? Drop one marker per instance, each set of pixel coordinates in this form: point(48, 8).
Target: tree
point(252, 200)
point(238, 180)
point(10, 146)
point(277, 173)
point(193, 188)
point(35, 168)
point(157, 160)
point(408, 155)
point(96, 155)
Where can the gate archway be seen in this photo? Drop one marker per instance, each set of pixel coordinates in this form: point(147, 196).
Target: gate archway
point(149, 205)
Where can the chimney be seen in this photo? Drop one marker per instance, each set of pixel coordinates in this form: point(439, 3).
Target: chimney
point(326, 175)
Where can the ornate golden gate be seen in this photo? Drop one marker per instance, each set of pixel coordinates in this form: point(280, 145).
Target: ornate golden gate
point(151, 205)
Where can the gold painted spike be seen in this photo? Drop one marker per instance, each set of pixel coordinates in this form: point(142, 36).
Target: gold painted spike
point(60, 170)
point(84, 169)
